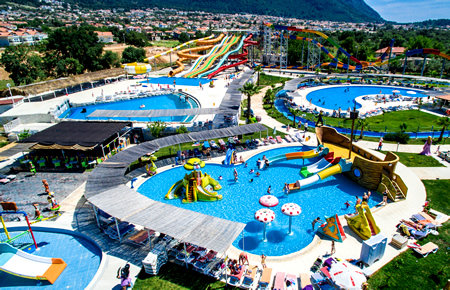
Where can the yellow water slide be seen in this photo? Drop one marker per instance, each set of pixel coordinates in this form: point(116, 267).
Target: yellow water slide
point(187, 53)
point(211, 59)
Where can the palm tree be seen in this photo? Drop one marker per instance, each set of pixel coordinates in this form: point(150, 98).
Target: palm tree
point(257, 69)
point(294, 112)
point(249, 89)
point(362, 123)
point(269, 96)
point(444, 122)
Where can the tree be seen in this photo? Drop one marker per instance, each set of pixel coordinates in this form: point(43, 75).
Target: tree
point(403, 127)
point(269, 96)
point(156, 128)
point(362, 123)
point(68, 66)
point(249, 89)
point(183, 37)
point(133, 54)
point(257, 69)
point(110, 59)
point(444, 122)
point(181, 130)
point(294, 112)
point(80, 43)
point(24, 65)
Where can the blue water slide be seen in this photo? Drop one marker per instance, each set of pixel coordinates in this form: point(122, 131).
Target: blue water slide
point(200, 59)
point(222, 60)
point(228, 156)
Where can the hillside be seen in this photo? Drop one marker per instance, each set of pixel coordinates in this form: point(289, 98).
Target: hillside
point(335, 10)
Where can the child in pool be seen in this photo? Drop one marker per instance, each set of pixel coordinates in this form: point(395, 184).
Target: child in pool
point(251, 170)
point(220, 177)
point(257, 173)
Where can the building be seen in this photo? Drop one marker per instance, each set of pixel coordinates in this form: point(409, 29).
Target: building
point(396, 50)
point(105, 37)
point(20, 36)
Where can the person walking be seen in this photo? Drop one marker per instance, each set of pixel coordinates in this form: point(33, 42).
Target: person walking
point(380, 144)
point(333, 248)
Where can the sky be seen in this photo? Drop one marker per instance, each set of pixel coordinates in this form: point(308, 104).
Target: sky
point(411, 10)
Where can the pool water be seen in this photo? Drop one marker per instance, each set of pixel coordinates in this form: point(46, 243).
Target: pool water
point(342, 96)
point(81, 256)
point(159, 102)
point(241, 200)
point(179, 81)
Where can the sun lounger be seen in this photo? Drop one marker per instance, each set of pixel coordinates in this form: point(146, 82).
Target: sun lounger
point(124, 228)
point(279, 140)
point(279, 282)
point(428, 217)
point(140, 238)
point(250, 277)
point(288, 138)
point(213, 144)
point(305, 280)
point(291, 282)
point(424, 250)
point(236, 279)
point(266, 278)
point(221, 142)
point(272, 140)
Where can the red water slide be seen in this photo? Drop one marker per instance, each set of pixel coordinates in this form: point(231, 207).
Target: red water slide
point(243, 56)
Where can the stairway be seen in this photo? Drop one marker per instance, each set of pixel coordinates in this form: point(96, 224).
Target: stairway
point(398, 192)
point(190, 193)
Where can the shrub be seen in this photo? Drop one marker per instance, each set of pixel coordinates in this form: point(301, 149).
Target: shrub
point(400, 137)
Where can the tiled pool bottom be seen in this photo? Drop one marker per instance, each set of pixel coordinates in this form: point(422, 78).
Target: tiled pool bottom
point(82, 256)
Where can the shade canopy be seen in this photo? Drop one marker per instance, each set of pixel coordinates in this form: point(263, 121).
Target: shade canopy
point(76, 135)
point(347, 276)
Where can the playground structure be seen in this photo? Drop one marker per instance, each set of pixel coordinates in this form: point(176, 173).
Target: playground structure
point(151, 167)
point(332, 229)
point(195, 186)
point(275, 54)
point(362, 223)
point(24, 240)
point(319, 151)
point(367, 169)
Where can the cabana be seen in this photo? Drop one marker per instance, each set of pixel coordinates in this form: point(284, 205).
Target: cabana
point(72, 140)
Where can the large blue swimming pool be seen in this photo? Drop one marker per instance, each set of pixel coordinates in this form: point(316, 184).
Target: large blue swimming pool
point(81, 256)
point(241, 200)
point(159, 102)
point(342, 96)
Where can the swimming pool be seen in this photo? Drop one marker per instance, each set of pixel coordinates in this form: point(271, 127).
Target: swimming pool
point(158, 102)
point(179, 81)
point(241, 200)
point(81, 255)
point(342, 96)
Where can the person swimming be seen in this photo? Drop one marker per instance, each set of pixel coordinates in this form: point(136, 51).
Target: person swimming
point(251, 170)
point(257, 173)
point(142, 106)
point(220, 177)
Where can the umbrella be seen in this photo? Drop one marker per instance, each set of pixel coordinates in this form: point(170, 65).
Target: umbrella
point(265, 216)
point(291, 209)
point(411, 92)
point(346, 275)
point(274, 130)
point(396, 91)
point(268, 200)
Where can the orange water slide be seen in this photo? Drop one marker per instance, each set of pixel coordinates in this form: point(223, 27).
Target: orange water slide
point(187, 53)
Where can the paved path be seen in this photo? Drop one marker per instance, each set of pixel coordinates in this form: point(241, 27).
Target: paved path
point(421, 172)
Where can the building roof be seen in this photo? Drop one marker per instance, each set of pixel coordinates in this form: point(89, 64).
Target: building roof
point(104, 33)
point(395, 49)
point(443, 97)
point(78, 135)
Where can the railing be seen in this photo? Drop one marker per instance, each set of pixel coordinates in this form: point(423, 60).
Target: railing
point(401, 185)
point(388, 186)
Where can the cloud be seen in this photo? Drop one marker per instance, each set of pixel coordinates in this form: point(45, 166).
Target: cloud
point(411, 10)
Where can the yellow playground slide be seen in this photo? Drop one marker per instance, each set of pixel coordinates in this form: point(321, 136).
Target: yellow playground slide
point(363, 223)
point(210, 60)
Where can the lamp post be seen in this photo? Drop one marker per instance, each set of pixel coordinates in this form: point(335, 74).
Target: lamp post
point(353, 116)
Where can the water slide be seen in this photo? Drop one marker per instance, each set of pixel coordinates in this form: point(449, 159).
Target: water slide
point(298, 155)
point(228, 157)
point(203, 57)
point(173, 191)
point(204, 194)
point(210, 60)
point(19, 263)
point(327, 161)
point(223, 59)
point(342, 166)
point(363, 223)
point(242, 56)
point(187, 53)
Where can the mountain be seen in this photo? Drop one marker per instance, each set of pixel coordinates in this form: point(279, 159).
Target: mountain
point(335, 10)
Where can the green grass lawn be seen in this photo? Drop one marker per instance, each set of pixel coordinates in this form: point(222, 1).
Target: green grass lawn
point(416, 160)
point(175, 277)
point(268, 80)
point(166, 43)
point(409, 270)
point(437, 194)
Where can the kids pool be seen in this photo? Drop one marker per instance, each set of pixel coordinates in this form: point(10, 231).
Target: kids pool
point(342, 97)
point(82, 256)
point(241, 200)
point(158, 102)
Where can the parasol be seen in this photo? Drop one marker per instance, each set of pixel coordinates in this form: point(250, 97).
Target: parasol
point(291, 209)
point(346, 275)
point(265, 216)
